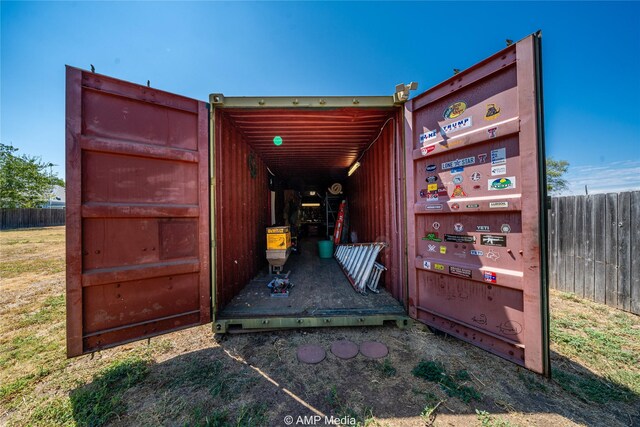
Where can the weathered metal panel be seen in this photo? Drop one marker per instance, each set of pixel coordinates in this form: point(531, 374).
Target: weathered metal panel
point(137, 212)
point(373, 202)
point(476, 222)
point(241, 206)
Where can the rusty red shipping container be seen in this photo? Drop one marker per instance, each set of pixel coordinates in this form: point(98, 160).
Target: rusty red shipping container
point(169, 198)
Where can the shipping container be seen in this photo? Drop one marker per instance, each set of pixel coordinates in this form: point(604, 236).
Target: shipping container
point(169, 200)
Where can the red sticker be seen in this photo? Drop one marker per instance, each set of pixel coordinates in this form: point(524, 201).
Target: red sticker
point(426, 150)
point(490, 277)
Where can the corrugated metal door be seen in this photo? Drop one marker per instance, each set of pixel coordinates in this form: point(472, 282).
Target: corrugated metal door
point(137, 212)
point(475, 195)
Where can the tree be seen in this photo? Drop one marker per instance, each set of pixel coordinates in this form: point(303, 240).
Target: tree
point(555, 170)
point(25, 181)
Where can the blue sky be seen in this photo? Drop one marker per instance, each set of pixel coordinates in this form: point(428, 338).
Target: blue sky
point(591, 57)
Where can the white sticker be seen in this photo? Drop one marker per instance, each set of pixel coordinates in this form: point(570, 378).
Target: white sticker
point(428, 135)
point(498, 205)
point(498, 170)
point(427, 264)
point(431, 248)
point(457, 125)
point(499, 156)
point(436, 225)
point(434, 207)
point(458, 227)
point(459, 162)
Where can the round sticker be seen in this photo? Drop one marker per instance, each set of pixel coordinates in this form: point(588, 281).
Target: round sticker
point(475, 176)
point(457, 179)
point(436, 225)
point(506, 228)
point(455, 110)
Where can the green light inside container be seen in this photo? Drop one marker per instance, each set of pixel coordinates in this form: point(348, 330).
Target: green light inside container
point(277, 140)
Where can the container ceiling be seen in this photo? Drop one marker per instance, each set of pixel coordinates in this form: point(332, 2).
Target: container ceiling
point(318, 145)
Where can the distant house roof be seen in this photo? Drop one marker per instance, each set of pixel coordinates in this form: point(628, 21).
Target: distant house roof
point(58, 197)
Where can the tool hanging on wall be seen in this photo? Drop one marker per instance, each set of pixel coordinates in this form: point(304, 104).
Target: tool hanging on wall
point(358, 262)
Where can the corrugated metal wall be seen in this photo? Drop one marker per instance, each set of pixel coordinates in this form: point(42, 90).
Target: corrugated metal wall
point(375, 203)
point(241, 211)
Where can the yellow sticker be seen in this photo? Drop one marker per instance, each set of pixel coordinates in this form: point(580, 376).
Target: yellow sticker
point(438, 266)
point(443, 249)
point(493, 112)
point(455, 110)
point(432, 187)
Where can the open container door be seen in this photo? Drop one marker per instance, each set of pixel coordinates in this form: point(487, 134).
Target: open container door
point(137, 212)
point(475, 205)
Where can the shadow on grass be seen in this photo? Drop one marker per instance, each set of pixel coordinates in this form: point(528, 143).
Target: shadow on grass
point(245, 383)
point(99, 401)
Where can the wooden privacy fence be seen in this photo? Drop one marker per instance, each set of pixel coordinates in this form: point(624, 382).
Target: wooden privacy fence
point(594, 248)
point(25, 218)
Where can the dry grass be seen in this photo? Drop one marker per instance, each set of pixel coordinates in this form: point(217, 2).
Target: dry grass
point(187, 378)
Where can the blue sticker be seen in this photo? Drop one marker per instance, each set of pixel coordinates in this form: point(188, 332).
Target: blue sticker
point(474, 252)
point(431, 168)
point(457, 170)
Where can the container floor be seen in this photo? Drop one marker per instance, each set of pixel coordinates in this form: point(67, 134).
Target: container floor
point(320, 289)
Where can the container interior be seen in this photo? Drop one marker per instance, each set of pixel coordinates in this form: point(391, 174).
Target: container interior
point(320, 289)
point(259, 179)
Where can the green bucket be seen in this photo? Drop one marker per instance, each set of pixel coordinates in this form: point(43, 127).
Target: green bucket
point(325, 248)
